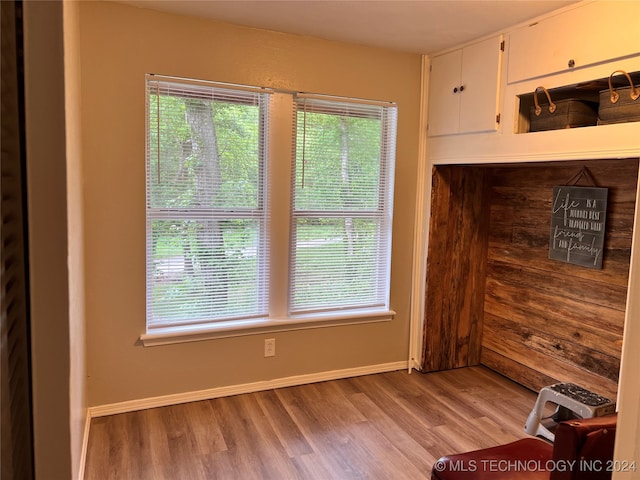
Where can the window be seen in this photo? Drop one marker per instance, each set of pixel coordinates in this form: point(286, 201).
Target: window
point(209, 248)
point(342, 198)
point(206, 212)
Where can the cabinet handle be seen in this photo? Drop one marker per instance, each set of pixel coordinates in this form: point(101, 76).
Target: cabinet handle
point(455, 89)
point(461, 88)
point(571, 63)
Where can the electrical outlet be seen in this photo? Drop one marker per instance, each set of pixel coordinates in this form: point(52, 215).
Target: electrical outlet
point(270, 347)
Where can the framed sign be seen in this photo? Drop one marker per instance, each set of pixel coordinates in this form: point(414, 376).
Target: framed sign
point(578, 219)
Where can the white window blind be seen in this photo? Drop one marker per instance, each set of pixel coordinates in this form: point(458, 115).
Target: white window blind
point(341, 206)
point(206, 203)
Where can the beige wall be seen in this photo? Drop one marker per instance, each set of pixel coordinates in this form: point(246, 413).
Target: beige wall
point(119, 44)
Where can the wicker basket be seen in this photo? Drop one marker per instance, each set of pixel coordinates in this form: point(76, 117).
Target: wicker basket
point(619, 105)
point(566, 113)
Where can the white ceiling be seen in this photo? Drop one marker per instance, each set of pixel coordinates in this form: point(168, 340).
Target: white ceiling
point(419, 26)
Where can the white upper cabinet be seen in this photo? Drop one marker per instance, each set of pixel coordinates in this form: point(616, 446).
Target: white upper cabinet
point(463, 89)
point(589, 34)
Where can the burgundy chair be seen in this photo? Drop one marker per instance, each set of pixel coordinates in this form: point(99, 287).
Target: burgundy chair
point(583, 450)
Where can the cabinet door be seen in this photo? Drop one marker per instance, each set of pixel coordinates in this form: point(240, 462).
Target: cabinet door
point(444, 103)
point(463, 89)
point(481, 66)
point(589, 34)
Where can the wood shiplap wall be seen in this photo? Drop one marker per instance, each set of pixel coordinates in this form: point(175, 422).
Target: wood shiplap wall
point(546, 321)
point(455, 266)
point(493, 295)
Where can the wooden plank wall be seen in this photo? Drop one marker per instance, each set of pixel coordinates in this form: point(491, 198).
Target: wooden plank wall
point(546, 321)
point(455, 266)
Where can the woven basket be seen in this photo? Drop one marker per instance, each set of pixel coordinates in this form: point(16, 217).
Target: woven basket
point(619, 105)
point(566, 113)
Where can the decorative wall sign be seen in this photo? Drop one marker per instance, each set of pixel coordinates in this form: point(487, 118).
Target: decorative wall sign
point(578, 225)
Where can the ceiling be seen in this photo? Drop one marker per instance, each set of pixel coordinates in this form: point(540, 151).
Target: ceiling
point(422, 26)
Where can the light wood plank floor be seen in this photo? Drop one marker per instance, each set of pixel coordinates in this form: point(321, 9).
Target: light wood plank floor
point(385, 426)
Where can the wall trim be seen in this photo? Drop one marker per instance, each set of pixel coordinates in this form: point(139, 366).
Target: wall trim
point(499, 158)
point(627, 446)
point(210, 393)
point(421, 225)
point(85, 445)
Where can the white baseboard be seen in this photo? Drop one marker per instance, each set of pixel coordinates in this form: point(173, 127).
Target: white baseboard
point(177, 398)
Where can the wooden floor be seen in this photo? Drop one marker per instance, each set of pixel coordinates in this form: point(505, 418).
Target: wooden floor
point(385, 426)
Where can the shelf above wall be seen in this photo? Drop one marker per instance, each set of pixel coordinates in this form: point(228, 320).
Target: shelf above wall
point(587, 91)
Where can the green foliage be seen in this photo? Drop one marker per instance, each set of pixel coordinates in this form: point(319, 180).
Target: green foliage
point(332, 268)
point(174, 160)
point(203, 155)
point(182, 272)
point(338, 166)
point(337, 175)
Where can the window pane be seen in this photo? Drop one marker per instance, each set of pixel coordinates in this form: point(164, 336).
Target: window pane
point(343, 174)
point(203, 270)
point(337, 162)
point(338, 263)
point(203, 153)
point(206, 213)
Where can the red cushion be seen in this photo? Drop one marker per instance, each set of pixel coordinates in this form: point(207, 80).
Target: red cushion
point(526, 459)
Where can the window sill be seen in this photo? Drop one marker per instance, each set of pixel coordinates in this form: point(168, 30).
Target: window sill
point(172, 335)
